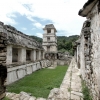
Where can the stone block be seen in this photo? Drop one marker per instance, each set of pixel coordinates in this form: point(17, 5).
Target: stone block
point(32, 98)
point(2, 46)
point(2, 58)
point(3, 54)
point(40, 99)
point(38, 66)
point(29, 69)
point(11, 77)
point(21, 73)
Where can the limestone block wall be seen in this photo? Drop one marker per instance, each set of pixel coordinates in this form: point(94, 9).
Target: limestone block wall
point(95, 53)
point(3, 68)
point(17, 72)
point(20, 55)
point(90, 54)
point(64, 62)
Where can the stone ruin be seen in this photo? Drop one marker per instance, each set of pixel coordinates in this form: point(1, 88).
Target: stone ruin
point(3, 68)
point(50, 44)
point(87, 48)
point(20, 55)
point(64, 58)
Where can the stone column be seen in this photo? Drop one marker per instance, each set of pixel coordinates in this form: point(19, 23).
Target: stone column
point(39, 54)
point(34, 54)
point(22, 55)
point(43, 54)
point(9, 55)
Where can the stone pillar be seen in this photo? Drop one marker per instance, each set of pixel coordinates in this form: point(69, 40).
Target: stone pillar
point(9, 55)
point(43, 54)
point(22, 55)
point(34, 54)
point(39, 54)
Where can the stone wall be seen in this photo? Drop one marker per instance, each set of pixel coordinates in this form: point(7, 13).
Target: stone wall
point(63, 58)
point(3, 68)
point(88, 53)
point(19, 53)
point(19, 71)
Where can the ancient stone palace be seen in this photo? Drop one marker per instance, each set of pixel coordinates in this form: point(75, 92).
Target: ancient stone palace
point(20, 55)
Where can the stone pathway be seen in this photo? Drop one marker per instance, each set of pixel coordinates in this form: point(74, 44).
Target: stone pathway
point(70, 88)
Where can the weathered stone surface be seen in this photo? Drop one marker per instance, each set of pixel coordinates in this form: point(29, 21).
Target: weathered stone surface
point(32, 98)
point(53, 93)
point(69, 85)
point(3, 69)
point(3, 54)
point(40, 99)
point(90, 48)
point(2, 58)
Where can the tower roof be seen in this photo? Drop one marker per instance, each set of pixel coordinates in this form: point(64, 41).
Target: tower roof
point(49, 26)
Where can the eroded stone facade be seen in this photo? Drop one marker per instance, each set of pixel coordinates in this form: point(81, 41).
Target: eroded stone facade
point(88, 48)
point(50, 44)
point(3, 68)
point(20, 55)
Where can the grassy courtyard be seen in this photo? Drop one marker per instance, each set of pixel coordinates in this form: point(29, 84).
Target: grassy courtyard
point(40, 82)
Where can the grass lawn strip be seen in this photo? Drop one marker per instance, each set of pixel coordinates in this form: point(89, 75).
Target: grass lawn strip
point(40, 82)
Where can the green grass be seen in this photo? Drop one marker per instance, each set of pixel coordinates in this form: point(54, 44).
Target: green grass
point(5, 98)
point(40, 82)
point(85, 91)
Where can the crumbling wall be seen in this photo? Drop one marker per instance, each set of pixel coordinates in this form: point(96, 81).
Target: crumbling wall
point(63, 58)
point(90, 53)
point(18, 52)
point(3, 68)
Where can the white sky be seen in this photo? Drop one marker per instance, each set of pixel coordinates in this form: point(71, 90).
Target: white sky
point(62, 13)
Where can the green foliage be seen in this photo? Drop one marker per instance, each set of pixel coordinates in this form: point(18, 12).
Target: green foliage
point(85, 91)
point(5, 98)
point(64, 43)
point(40, 82)
point(38, 39)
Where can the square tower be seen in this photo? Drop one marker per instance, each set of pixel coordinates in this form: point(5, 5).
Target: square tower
point(50, 38)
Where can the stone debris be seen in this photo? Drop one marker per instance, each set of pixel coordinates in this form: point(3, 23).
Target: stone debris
point(21, 96)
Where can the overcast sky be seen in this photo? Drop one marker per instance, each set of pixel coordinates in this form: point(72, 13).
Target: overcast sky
point(30, 16)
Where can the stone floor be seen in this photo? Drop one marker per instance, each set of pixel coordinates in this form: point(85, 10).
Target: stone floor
point(70, 88)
